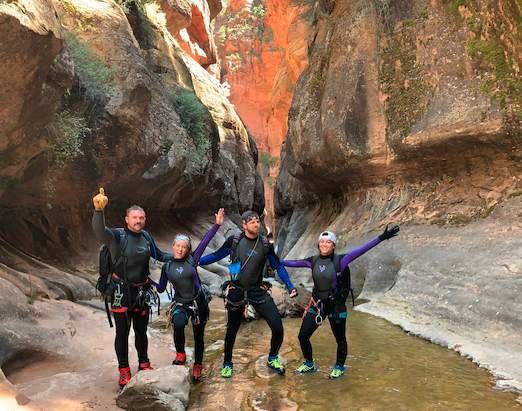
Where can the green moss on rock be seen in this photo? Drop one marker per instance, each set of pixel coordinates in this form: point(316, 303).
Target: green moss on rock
point(403, 81)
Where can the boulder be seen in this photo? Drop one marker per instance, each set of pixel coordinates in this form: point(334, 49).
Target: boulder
point(148, 398)
point(171, 380)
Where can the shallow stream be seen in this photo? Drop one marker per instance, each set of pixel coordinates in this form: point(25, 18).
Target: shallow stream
point(387, 369)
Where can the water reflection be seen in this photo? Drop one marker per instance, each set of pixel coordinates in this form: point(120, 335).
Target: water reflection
point(387, 369)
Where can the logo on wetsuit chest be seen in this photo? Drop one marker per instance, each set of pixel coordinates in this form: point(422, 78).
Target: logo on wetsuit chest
point(250, 252)
point(322, 268)
point(179, 270)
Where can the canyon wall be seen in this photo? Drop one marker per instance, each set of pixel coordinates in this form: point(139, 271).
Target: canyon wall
point(409, 113)
point(101, 95)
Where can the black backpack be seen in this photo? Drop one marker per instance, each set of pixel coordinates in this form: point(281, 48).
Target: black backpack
point(107, 264)
point(337, 265)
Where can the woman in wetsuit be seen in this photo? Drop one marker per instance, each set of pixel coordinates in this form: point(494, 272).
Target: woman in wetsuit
point(189, 299)
point(329, 296)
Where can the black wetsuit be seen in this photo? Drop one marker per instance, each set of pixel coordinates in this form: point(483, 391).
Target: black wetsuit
point(128, 308)
point(251, 283)
point(188, 298)
point(328, 299)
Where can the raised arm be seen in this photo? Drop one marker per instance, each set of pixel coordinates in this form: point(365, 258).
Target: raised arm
point(104, 233)
point(219, 254)
point(386, 235)
point(201, 247)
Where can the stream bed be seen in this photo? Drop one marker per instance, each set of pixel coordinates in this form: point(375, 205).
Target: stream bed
point(387, 369)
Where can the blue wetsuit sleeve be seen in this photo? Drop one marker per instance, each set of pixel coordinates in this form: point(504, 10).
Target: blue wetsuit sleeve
point(219, 254)
point(352, 255)
point(281, 271)
point(201, 247)
point(297, 263)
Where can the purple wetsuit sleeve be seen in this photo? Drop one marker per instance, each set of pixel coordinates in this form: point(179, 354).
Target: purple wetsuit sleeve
point(348, 258)
point(201, 247)
point(162, 285)
point(297, 263)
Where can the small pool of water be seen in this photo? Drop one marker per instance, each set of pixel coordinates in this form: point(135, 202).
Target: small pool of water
point(387, 369)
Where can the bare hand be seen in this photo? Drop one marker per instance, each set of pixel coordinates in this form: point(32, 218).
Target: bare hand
point(100, 200)
point(220, 216)
point(293, 293)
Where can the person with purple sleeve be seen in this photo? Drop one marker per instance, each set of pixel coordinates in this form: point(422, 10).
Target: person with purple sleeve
point(188, 300)
point(331, 286)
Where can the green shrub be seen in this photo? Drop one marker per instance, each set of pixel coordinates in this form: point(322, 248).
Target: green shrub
point(267, 160)
point(92, 70)
point(192, 114)
point(233, 56)
point(69, 131)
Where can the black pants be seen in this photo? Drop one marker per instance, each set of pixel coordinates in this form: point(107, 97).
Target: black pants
point(338, 326)
point(139, 320)
point(267, 309)
point(180, 319)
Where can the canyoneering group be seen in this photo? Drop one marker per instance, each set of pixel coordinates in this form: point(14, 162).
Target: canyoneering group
point(130, 289)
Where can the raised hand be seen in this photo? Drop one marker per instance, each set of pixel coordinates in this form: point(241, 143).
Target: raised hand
point(100, 200)
point(220, 216)
point(387, 234)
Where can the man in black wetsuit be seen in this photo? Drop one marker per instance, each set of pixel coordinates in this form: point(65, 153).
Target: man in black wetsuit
point(130, 281)
point(250, 251)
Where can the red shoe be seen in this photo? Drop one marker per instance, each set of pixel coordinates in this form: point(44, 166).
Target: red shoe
point(181, 358)
point(196, 372)
point(125, 376)
point(144, 366)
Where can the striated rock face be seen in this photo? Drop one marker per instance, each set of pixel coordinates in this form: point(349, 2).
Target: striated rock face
point(36, 74)
point(104, 97)
point(408, 113)
point(262, 49)
point(416, 109)
point(263, 52)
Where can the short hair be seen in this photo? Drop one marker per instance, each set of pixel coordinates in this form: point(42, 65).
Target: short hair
point(134, 208)
point(249, 215)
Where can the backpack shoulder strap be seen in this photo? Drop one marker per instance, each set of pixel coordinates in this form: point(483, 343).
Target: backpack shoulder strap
point(166, 267)
point(190, 260)
point(233, 247)
point(337, 265)
point(122, 241)
point(150, 244)
point(314, 260)
point(266, 244)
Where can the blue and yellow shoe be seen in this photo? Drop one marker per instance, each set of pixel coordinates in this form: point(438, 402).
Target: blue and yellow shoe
point(226, 372)
point(273, 362)
point(306, 367)
point(337, 372)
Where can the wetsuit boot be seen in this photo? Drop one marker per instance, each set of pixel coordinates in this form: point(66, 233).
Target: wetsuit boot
point(144, 366)
point(181, 358)
point(125, 376)
point(196, 372)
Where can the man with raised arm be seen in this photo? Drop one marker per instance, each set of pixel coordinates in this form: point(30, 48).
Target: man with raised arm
point(249, 251)
point(131, 249)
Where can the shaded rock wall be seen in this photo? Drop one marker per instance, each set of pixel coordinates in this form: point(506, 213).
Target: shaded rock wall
point(408, 113)
point(100, 96)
